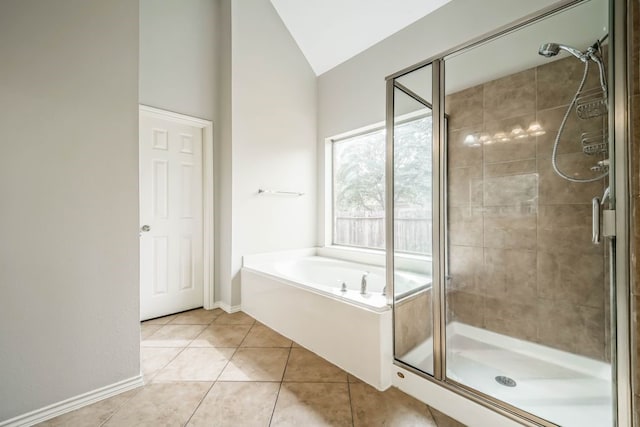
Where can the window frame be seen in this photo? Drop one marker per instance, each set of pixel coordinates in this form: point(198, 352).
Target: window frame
point(329, 205)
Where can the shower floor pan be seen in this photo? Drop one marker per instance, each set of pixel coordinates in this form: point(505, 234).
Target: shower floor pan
point(564, 388)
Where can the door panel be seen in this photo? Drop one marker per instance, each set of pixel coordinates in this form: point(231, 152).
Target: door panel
point(523, 308)
point(527, 291)
point(171, 251)
point(412, 220)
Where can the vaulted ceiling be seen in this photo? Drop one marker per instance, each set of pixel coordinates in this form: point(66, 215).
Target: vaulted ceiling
point(330, 32)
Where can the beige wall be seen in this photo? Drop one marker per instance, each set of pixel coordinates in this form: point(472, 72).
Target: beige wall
point(69, 310)
point(273, 116)
point(521, 258)
point(178, 55)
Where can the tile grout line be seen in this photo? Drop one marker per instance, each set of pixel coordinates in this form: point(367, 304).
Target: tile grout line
point(256, 381)
point(214, 381)
point(350, 402)
point(200, 403)
point(258, 346)
point(541, 159)
point(205, 394)
point(121, 406)
point(145, 383)
point(165, 365)
point(538, 214)
point(187, 346)
point(206, 325)
point(280, 387)
point(247, 334)
point(311, 382)
point(432, 416)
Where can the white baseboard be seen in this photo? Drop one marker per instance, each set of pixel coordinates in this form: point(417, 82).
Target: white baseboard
point(73, 403)
point(228, 308)
point(211, 306)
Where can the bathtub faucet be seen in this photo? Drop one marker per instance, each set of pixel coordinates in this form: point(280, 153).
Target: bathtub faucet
point(363, 283)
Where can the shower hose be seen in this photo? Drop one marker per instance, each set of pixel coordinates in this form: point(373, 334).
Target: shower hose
point(554, 155)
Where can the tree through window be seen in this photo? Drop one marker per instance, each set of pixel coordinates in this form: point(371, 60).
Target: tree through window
point(359, 188)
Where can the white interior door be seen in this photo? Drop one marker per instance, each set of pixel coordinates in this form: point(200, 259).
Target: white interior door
point(171, 211)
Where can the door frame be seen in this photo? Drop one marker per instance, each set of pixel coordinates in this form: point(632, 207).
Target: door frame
point(208, 298)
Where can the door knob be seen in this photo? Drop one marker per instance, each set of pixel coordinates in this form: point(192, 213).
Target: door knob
point(145, 228)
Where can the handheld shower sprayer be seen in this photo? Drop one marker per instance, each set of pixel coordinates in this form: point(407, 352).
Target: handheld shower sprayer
point(552, 49)
point(589, 103)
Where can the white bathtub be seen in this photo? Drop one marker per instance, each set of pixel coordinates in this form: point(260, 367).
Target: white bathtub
point(327, 275)
point(298, 294)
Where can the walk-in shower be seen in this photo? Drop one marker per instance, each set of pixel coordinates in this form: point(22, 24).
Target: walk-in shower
point(524, 312)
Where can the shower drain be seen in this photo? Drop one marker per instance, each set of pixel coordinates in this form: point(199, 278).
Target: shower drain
point(505, 381)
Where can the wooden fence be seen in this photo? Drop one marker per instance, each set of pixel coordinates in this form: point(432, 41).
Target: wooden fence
point(411, 234)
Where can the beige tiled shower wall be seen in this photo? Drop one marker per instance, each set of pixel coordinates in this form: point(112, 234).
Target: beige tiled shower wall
point(412, 322)
point(521, 259)
point(634, 139)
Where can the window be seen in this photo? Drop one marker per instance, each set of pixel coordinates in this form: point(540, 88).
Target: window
point(359, 188)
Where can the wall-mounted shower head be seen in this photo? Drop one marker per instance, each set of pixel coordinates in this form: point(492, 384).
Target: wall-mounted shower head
point(552, 49)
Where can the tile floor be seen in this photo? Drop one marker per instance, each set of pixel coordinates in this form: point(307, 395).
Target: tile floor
point(210, 368)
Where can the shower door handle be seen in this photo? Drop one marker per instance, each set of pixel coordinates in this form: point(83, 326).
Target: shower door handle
point(595, 216)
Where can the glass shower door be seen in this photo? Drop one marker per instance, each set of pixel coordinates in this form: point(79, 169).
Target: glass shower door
point(527, 291)
point(412, 138)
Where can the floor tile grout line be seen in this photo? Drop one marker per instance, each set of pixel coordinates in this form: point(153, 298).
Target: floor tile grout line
point(144, 383)
point(264, 346)
point(177, 354)
point(235, 350)
point(209, 380)
point(223, 324)
point(281, 382)
point(177, 315)
point(182, 349)
point(188, 324)
point(138, 390)
point(273, 411)
point(431, 413)
point(350, 403)
point(155, 374)
point(180, 352)
point(256, 323)
point(194, 323)
point(314, 382)
point(229, 381)
point(253, 381)
point(247, 334)
point(190, 341)
point(204, 396)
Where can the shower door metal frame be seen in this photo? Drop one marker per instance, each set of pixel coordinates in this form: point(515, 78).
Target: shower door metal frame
point(620, 28)
point(619, 244)
point(392, 85)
